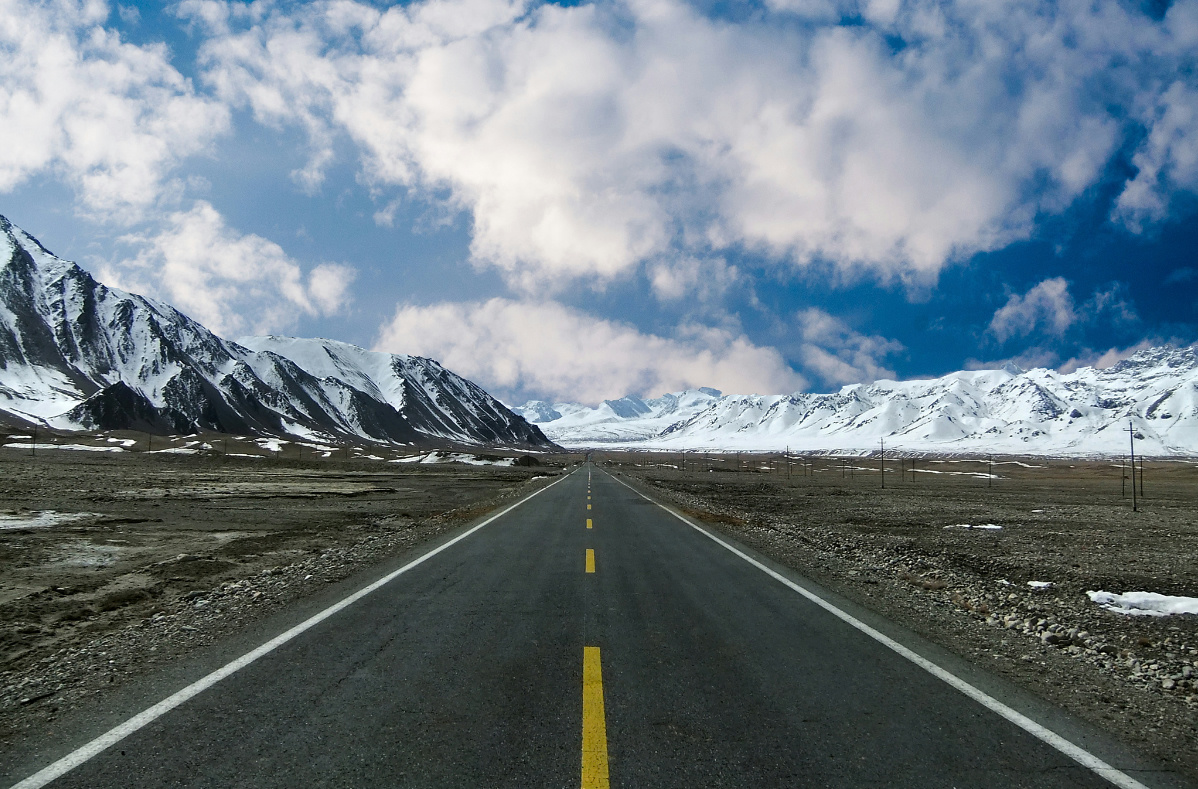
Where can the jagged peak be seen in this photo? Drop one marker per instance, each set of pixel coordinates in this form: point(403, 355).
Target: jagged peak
point(1167, 355)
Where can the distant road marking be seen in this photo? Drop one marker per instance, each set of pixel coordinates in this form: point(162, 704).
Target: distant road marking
point(590, 560)
point(594, 722)
point(1042, 733)
point(120, 732)
point(588, 506)
point(588, 523)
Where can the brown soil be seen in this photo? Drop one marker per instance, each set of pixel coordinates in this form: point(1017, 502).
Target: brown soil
point(902, 552)
point(152, 556)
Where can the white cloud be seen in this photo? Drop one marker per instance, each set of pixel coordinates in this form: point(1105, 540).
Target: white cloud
point(1166, 161)
point(836, 353)
point(108, 117)
point(1112, 303)
point(585, 141)
point(1047, 307)
point(702, 279)
point(543, 348)
point(230, 282)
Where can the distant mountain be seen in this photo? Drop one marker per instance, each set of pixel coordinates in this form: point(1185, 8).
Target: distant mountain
point(75, 354)
point(1002, 411)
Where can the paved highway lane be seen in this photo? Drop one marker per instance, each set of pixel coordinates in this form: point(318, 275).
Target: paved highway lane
point(581, 641)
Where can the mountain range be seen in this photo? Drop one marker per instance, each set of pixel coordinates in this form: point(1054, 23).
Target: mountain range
point(76, 354)
point(1004, 411)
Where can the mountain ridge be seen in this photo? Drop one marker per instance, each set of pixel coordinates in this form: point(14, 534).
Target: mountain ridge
point(1003, 411)
point(77, 354)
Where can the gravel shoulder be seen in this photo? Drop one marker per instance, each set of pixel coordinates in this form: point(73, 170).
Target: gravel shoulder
point(117, 566)
point(1011, 599)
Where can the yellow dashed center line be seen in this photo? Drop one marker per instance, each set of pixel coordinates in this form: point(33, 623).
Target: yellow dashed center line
point(588, 523)
point(594, 723)
point(590, 560)
point(588, 506)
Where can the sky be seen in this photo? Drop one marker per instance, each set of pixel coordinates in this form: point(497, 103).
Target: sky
point(580, 201)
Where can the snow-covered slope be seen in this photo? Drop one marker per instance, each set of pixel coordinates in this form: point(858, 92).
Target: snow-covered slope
point(77, 354)
point(1003, 411)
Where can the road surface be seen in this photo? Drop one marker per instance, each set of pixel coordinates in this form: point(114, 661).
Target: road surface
point(588, 638)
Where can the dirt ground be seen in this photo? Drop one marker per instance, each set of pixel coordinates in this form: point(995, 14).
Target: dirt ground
point(113, 564)
point(903, 551)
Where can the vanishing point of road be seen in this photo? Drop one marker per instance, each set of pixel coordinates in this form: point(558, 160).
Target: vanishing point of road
point(585, 637)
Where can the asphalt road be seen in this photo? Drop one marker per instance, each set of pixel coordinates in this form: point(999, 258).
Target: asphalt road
point(468, 671)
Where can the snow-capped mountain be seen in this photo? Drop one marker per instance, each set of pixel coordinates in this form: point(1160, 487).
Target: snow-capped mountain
point(1001, 411)
point(75, 354)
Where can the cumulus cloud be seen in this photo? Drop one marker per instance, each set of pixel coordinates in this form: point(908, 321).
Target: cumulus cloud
point(587, 140)
point(1047, 307)
point(233, 283)
point(543, 348)
point(832, 350)
point(108, 117)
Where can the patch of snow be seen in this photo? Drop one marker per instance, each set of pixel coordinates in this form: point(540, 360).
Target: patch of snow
point(456, 457)
point(43, 519)
point(71, 447)
point(1145, 603)
point(1040, 585)
point(987, 526)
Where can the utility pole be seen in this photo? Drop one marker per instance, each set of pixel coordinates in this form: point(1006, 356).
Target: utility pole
point(882, 462)
point(1123, 476)
point(1131, 432)
point(990, 471)
point(33, 443)
point(1141, 475)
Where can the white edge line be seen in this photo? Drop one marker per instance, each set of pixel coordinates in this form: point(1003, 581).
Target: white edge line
point(120, 732)
point(1075, 752)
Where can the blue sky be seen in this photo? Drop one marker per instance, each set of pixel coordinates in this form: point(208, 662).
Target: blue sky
point(579, 201)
